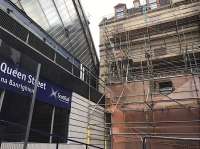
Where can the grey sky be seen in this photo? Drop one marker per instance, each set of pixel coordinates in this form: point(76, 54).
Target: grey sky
point(97, 9)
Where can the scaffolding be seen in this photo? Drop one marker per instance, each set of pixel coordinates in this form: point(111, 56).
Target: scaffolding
point(153, 68)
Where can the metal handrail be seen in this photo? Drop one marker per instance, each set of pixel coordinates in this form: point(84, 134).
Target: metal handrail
point(48, 134)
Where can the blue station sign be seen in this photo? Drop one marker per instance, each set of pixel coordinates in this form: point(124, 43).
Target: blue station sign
point(19, 81)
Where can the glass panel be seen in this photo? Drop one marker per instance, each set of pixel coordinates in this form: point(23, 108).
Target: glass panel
point(60, 19)
point(50, 12)
point(63, 11)
point(41, 122)
point(15, 93)
point(33, 10)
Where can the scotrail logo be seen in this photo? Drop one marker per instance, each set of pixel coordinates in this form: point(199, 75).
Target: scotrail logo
point(57, 95)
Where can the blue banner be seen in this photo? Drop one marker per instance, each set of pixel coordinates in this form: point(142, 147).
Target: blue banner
point(19, 81)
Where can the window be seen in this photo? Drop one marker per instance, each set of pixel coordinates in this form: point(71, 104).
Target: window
point(41, 122)
point(120, 12)
point(15, 109)
point(120, 15)
point(113, 69)
point(82, 71)
point(152, 1)
point(153, 5)
point(119, 69)
point(166, 87)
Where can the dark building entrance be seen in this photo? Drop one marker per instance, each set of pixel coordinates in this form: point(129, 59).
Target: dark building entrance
point(14, 106)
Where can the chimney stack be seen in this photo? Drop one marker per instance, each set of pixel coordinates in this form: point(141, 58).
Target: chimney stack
point(120, 10)
point(136, 3)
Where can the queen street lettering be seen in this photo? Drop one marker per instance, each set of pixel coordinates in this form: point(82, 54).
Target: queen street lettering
point(13, 72)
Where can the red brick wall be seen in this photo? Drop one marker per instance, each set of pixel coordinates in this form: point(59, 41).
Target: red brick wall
point(166, 119)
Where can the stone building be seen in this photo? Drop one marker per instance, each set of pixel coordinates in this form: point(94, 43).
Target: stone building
point(150, 60)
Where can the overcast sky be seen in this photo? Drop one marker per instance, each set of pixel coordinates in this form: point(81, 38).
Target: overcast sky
point(96, 10)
